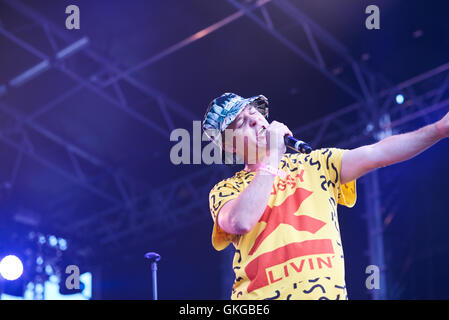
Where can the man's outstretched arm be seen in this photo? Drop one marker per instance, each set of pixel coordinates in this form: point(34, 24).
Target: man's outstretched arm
point(357, 162)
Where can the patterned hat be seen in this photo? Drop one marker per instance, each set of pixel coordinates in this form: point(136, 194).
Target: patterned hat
point(224, 109)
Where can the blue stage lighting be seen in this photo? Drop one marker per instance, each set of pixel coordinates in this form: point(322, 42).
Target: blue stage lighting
point(53, 241)
point(62, 244)
point(48, 270)
point(42, 239)
point(400, 99)
point(11, 268)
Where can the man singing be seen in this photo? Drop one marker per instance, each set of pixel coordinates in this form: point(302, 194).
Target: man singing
point(280, 211)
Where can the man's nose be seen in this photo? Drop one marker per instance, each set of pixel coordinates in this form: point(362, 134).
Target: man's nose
point(252, 122)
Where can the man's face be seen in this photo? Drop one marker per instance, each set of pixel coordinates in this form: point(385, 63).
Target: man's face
point(248, 135)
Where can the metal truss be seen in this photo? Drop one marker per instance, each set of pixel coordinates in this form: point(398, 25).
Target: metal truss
point(47, 62)
point(74, 155)
point(161, 216)
point(155, 200)
point(160, 213)
point(346, 129)
point(111, 67)
point(377, 121)
point(154, 215)
point(363, 81)
point(312, 30)
point(373, 117)
point(120, 101)
point(22, 142)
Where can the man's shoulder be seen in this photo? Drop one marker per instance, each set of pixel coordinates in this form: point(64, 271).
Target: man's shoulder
point(315, 153)
point(316, 161)
point(302, 156)
point(233, 181)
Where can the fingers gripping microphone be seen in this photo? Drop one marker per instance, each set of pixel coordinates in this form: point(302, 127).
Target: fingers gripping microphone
point(297, 145)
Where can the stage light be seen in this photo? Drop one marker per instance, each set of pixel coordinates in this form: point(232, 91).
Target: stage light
point(41, 239)
point(11, 268)
point(400, 99)
point(48, 270)
point(39, 260)
point(62, 244)
point(52, 240)
point(39, 288)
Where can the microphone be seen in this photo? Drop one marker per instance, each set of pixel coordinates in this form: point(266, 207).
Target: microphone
point(152, 256)
point(297, 145)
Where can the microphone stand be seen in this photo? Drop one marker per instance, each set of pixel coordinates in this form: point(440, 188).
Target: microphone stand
point(154, 258)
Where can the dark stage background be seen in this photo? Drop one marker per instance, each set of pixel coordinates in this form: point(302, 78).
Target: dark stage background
point(86, 117)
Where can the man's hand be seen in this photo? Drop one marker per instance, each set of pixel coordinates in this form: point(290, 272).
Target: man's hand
point(391, 150)
point(443, 126)
point(274, 134)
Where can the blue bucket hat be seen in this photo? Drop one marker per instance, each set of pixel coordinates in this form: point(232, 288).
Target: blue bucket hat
point(222, 111)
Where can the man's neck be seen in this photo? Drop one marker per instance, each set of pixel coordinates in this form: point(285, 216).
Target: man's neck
point(259, 164)
point(253, 167)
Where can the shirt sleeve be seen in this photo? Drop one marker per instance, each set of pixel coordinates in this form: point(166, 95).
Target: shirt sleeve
point(220, 194)
point(331, 160)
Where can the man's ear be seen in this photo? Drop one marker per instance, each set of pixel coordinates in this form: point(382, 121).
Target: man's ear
point(228, 140)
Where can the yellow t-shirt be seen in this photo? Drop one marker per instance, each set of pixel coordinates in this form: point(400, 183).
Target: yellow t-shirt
point(295, 250)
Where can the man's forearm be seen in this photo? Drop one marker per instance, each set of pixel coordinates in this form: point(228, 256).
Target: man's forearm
point(405, 146)
point(251, 203)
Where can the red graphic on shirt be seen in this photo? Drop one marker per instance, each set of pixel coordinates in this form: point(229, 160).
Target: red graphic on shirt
point(255, 270)
point(285, 214)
